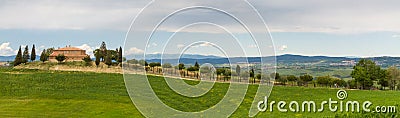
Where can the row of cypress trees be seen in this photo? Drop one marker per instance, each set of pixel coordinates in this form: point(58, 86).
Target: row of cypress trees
point(25, 56)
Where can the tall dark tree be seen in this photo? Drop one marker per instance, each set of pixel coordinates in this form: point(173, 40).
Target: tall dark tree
point(18, 59)
point(181, 66)
point(119, 59)
point(97, 55)
point(108, 60)
point(43, 56)
point(25, 55)
point(278, 78)
point(33, 53)
point(196, 66)
point(238, 72)
point(252, 74)
point(103, 51)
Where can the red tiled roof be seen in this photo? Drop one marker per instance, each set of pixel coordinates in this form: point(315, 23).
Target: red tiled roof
point(56, 52)
point(68, 48)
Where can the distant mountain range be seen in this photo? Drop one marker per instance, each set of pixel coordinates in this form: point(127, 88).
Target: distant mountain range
point(171, 56)
point(11, 58)
point(287, 59)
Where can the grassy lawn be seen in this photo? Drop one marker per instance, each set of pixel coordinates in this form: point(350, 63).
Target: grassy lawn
point(35, 93)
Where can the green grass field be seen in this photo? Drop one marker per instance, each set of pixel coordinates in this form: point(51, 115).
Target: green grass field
point(36, 93)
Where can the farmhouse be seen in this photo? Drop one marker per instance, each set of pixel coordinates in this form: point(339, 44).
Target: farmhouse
point(70, 53)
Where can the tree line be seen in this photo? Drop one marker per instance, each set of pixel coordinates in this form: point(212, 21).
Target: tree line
point(24, 57)
point(307, 79)
point(196, 72)
point(107, 56)
point(366, 73)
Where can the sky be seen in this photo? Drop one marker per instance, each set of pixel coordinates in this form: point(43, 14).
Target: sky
point(361, 28)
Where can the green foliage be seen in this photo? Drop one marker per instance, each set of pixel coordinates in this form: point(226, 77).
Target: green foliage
point(103, 51)
point(18, 59)
point(338, 82)
point(393, 77)
point(306, 78)
point(43, 56)
point(196, 66)
point(154, 64)
point(352, 84)
point(119, 57)
point(108, 60)
point(60, 58)
point(191, 68)
point(167, 65)
point(365, 72)
point(276, 76)
point(25, 55)
point(49, 51)
point(181, 66)
point(87, 60)
point(143, 63)
point(324, 80)
point(97, 61)
point(220, 71)
point(292, 78)
point(33, 53)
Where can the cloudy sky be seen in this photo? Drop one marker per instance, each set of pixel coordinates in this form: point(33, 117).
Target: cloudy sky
point(307, 27)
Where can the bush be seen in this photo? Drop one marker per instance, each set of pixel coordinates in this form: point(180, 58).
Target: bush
point(87, 60)
point(60, 58)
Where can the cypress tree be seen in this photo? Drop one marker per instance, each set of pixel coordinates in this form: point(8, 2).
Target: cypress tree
point(18, 58)
point(197, 66)
point(33, 53)
point(103, 51)
point(25, 55)
point(107, 59)
point(97, 61)
point(43, 56)
point(119, 55)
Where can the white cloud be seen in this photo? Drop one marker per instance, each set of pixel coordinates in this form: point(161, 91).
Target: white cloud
point(280, 15)
point(72, 14)
point(180, 46)
point(283, 47)
point(6, 50)
point(202, 44)
point(396, 36)
point(133, 50)
point(88, 48)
